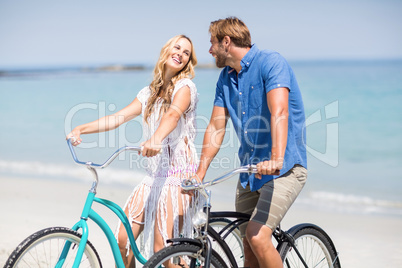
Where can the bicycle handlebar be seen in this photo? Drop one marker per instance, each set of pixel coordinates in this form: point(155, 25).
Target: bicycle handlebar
point(186, 185)
point(192, 185)
point(107, 162)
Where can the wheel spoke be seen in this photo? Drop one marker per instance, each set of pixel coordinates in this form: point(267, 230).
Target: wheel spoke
point(44, 248)
point(314, 247)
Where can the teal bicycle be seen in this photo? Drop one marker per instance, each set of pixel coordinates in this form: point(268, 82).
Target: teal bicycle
point(69, 247)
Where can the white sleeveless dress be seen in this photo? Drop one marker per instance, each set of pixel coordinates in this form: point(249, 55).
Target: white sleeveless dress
point(178, 161)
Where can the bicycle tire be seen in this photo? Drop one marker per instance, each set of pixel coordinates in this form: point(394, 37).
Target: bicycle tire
point(183, 254)
point(44, 247)
point(315, 246)
point(233, 240)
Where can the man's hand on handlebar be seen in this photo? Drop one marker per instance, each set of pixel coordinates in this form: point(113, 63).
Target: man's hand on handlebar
point(270, 167)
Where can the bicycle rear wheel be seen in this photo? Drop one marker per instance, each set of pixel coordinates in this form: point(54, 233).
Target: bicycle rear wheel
point(43, 249)
point(314, 245)
point(232, 239)
point(183, 255)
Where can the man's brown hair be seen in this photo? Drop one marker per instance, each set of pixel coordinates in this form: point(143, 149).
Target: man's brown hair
point(232, 27)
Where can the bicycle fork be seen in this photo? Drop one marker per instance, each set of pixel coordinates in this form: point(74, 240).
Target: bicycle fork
point(82, 224)
point(207, 245)
point(287, 237)
point(208, 252)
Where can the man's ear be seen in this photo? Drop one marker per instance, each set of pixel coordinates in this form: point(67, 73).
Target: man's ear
point(226, 41)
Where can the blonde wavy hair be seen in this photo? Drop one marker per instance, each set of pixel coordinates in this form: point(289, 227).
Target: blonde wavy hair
point(157, 83)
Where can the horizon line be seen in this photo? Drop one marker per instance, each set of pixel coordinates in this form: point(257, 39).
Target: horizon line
point(116, 67)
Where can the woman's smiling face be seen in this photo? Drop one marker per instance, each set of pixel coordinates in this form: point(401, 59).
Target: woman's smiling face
point(179, 56)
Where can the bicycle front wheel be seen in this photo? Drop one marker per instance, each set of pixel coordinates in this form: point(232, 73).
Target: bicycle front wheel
point(44, 248)
point(183, 255)
point(314, 245)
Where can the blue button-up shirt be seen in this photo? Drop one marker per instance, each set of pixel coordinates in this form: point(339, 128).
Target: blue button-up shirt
point(244, 96)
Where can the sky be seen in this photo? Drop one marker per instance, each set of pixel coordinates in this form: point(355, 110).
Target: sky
point(49, 33)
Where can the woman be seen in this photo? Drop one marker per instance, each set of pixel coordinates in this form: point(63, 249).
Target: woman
point(157, 207)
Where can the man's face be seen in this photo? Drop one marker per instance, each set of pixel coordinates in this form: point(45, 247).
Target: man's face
point(218, 52)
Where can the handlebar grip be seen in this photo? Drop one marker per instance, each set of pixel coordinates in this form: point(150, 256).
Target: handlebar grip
point(71, 147)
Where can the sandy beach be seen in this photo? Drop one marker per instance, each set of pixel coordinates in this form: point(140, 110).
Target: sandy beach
point(28, 205)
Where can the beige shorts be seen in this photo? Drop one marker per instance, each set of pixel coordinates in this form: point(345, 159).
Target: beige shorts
point(269, 204)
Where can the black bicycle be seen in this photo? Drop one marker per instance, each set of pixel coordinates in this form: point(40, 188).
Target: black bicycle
point(217, 241)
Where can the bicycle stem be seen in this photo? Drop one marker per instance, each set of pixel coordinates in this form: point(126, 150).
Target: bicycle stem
point(96, 179)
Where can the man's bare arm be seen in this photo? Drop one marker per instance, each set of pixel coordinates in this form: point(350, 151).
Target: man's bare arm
point(213, 139)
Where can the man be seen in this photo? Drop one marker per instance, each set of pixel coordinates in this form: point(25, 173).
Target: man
point(258, 91)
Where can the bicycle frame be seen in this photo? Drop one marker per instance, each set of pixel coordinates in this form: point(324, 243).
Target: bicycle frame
point(93, 215)
point(89, 213)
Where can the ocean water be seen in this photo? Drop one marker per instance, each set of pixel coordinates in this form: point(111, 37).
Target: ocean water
point(354, 126)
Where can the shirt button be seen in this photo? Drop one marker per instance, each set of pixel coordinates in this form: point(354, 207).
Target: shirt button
point(245, 132)
point(240, 93)
point(244, 112)
point(252, 87)
point(252, 150)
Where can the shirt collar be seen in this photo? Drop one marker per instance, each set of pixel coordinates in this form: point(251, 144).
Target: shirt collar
point(249, 57)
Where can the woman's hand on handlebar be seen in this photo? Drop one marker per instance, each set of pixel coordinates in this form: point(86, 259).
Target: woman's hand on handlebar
point(75, 137)
point(150, 147)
